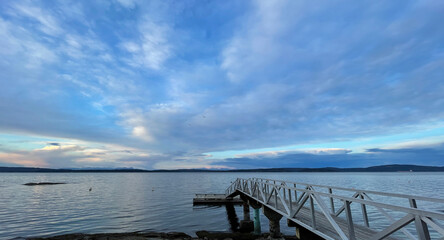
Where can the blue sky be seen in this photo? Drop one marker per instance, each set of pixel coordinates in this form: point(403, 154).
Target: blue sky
point(221, 84)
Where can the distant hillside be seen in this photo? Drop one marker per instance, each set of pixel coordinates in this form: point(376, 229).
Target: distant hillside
point(398, 168)
point(382, 168)
point(30, 169)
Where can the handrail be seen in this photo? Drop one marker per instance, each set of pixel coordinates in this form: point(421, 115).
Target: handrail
point(284, 199)
point(422, 198)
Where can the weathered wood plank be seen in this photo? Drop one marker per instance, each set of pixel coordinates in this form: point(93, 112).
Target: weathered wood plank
point(215, 199)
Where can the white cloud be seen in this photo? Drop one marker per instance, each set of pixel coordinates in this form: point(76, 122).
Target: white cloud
point(64, 148)
point(128, 3)
point(189, 162)
point(20, 46)
point(73, 153)
point(48, 23)
point(153, 47)
point(22, 160)
point(277, 153)
point(8, 40)
point(134, 120)
point(258, 41)
point(327, 151)
point(142, 133)
point(264, 154)
point(131, 47)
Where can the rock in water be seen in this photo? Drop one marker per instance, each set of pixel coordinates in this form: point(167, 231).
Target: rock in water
point(42, 183)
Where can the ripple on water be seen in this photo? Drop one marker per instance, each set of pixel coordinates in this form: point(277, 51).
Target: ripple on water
point(121, 202)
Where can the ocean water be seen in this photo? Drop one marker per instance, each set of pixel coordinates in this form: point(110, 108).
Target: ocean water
point(126, 202)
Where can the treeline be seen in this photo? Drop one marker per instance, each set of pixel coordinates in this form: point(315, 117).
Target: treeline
point(382, 168)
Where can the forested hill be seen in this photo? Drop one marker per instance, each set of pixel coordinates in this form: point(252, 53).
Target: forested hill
point(382, 168)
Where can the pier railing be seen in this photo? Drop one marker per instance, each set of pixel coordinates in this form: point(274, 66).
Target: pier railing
point(334, 203)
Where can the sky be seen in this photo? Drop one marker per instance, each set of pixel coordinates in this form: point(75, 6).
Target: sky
point(221, 84)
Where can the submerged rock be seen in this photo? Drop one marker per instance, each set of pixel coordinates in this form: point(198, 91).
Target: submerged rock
point(119, 236)
point(229, 235)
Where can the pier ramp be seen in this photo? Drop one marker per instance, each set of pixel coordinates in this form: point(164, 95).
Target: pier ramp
point(328, 212)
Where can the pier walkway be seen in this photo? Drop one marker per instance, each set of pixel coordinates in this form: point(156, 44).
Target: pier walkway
point(215, 199)
point(341, 213)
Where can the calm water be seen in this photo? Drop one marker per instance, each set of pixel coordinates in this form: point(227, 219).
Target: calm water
point(124, 202)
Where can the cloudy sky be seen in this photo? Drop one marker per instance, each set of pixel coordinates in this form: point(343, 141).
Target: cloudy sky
point(221, 84)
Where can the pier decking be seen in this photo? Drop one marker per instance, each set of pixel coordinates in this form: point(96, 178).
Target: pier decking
point(215, 199)
point(327, 211)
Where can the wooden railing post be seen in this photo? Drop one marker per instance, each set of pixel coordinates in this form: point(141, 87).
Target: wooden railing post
point(351, 228)
point(332, 202)
point(421, 226)
point(276, 197)
point(364, 212)
point(289, 201)
point(313, 217)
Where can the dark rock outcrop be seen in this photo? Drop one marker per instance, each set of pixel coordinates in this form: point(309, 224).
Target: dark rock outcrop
point(119, 236)
point(201, 235)
point(42, 183)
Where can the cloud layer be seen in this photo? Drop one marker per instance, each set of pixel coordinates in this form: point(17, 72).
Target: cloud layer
point(431, 156)
point(174, 81)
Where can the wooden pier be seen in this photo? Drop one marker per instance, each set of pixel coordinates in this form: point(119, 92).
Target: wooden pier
point(215, 199)
point(326, 212)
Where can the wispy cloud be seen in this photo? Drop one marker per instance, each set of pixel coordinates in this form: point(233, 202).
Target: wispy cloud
point(318, 151)
point(46, 22)
point(152, 48)
point(77, 155)
point(128, 3)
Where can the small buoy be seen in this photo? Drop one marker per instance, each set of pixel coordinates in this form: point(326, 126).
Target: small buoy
point(90, 189)
point(152, 189)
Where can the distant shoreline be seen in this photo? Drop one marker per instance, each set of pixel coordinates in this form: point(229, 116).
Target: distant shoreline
point(382, 168)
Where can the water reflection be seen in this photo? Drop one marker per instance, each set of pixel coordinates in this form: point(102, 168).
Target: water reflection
point(233, 220)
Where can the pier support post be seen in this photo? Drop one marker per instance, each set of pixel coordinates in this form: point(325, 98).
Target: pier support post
point(296, 226)
point(246, 211)
point(246, 225)
point(301, 232)
point(273, 218)
point(246, 207)
point(257, 221)
point(257, 218)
